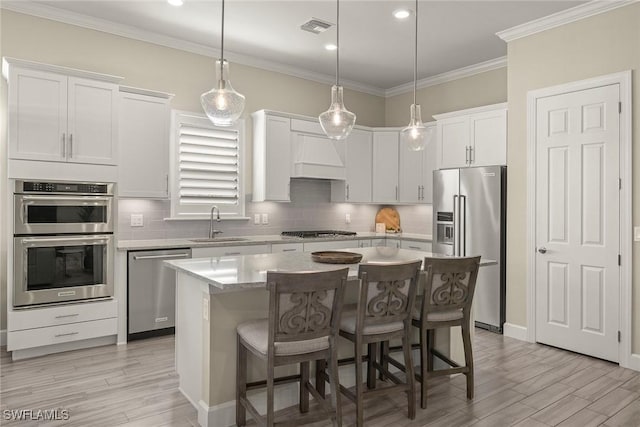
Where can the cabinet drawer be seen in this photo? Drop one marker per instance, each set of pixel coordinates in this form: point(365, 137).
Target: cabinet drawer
point(328, 246)
point(415, 245)
point(229, 251)
point(286, 247)
point(39, 337)
point(53, 316)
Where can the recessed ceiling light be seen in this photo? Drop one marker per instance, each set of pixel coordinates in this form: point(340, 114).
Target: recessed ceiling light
point(175, 2)
point(401, 13)
point(330, 46)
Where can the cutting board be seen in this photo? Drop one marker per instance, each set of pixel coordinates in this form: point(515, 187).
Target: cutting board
point(390, 217)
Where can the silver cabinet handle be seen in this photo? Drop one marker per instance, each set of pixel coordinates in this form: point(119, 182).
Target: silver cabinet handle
point(418, 192)
point(167, 186)
point(67, 335)
point(347, 191)
point(139, 257)
point(542, 250)
point(472, 155)
point(456, 225)
point(289, 250)
point(415, 247)
point(396, 192)
point(67, 315)
point(463, 223)
point(70, 145)
point(64, 145)
point(231, 253)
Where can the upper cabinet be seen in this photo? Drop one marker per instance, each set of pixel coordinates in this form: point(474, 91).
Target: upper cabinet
point(271, 157)
point(356, 188)
point(62, 115)
point(385, 166)
point(473, 137)
point(416, 172)
point(144, 131)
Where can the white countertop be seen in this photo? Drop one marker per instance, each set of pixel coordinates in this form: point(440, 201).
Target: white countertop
point(134, 245)
point(235, 273)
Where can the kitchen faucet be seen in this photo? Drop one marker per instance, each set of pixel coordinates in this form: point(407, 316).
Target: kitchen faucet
point(212, 232)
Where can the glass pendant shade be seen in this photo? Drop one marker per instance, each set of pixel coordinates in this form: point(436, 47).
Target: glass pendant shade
point(222, 104)
point(337, 121)
point(416, 136)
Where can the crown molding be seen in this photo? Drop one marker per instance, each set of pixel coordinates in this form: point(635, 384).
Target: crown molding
point(471, 70)
point(563, 17)
point(48, 12)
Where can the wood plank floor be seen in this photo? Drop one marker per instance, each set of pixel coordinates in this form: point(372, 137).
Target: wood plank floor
point(517, 384)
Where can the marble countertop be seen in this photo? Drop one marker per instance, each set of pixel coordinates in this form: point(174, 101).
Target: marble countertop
point(132, 245)
point(235, 273)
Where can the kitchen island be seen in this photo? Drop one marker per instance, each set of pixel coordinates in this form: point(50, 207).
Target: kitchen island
point(216, 294)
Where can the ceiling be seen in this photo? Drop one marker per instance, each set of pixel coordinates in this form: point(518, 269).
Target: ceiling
point(376, 50)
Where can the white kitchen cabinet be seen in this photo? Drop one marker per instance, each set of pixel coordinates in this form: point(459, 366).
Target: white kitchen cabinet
point(61, 116)
point(286, 247)
point(378, 242)
point(364, 243)
point(415, 245)
point(385, 166)
point(392, 243)
point(229, 251)
point(144, 134)
point(415, 179)
point(473, 137)
point(356, 188)
point(271, 157)
point(328, 246)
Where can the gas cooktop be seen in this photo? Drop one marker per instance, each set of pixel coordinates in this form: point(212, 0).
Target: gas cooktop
point(317, 233)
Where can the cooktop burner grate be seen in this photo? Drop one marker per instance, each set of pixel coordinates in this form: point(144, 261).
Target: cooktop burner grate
point(317, 233)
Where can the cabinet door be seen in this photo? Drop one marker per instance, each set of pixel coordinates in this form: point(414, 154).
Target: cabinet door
point(143, 134)
point(277, 159)
point(359, 163)
point(429, 164)
point(229, 251)
point(385, 167)
point(37, 115)
point(489, 138)
point(410, 177)
point(453, 141)
point(93, 122)
point(415, 245)
point(328, 246)
point(286, 247)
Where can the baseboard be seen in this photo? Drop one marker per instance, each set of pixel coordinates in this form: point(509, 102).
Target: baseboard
point(3, 337)
point(515, 331)
point(28, 353)
point(634, 362)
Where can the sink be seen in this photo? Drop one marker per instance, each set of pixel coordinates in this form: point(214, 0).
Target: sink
point(219, 239)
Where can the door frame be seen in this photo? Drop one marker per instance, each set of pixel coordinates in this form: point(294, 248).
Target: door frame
point(625, 358)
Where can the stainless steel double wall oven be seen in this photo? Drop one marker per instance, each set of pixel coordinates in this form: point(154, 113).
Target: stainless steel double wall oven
point(63, 242)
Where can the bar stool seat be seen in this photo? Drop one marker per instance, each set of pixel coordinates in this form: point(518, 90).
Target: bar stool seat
point(256, 335)
point(440, 316)
point(348, 324)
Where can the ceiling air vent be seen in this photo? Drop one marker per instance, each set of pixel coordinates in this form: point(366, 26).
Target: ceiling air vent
point(316, 26)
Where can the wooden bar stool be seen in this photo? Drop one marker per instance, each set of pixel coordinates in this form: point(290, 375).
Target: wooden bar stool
point(387, 297)
point(304, 315)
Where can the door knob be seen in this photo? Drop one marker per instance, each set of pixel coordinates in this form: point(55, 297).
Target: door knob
point(542, 250)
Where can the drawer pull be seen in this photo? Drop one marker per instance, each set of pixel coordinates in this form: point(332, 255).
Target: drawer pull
point(289, 250)
point(66, 335)
point(161, 319)
point(231, 253)
point(67, 315)
point(415, 247)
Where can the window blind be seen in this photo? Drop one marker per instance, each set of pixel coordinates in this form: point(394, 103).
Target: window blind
point(208, 165)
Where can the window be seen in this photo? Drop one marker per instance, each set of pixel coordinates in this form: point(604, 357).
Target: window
point(207, 167)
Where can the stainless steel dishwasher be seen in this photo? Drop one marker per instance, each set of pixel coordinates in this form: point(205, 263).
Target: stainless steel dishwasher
point(152, 292)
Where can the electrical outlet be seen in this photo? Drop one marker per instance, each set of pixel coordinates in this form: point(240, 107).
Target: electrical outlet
point(636, 232)
point(137, 220)
point(347, 218)
point(256, 219)
point(265, 219)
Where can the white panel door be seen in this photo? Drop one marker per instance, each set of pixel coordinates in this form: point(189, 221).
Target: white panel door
point(385, 167)
point(453, 142)
point(577, 221)
point(38, 115)
point(93, 122)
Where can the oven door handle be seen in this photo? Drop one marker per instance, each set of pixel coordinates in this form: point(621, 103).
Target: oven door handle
point(69, 198)
point(94, 240)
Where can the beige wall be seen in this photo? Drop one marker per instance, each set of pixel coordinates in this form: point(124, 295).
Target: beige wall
point(482, 89)
point(588, 48)
point(159, 68)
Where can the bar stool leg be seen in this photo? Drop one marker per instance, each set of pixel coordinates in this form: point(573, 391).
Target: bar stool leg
point(424, 360)
point(384, 354)
point(304, 393)
point(359, 385)
point(468, 358)
point(270, 411)
point(410, 376)
point(431, 336)
point(241, 385)
point(371, 370)
point(321, 367)
point(334, 384)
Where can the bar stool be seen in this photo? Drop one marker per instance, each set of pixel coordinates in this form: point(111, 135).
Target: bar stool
point(304, 315)
point(387, 297)
point(447, 299)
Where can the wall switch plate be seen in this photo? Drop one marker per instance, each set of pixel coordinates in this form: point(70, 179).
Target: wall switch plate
point(265, 219)
point(347, 218)
point(636, 234)
point(137, 220)
point(256, 219)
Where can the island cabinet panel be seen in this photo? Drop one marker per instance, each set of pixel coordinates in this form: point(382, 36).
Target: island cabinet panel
point(229, 251)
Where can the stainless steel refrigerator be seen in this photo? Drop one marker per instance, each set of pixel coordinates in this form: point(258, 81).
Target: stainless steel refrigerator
point(469, 210)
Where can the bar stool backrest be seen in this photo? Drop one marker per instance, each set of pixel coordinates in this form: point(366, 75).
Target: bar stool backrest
point(387, 292)
point(304, 306)
point(450, 284)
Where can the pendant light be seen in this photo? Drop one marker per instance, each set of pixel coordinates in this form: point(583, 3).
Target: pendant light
point(337, 122)
point(222, 104)
point(415, 135)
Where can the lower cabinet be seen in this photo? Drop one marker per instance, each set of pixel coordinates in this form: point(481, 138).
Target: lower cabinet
point(415, 245)
point(286, 247)
point(38, 337)
point(392, 243)
point(364, 243)
point(230, 251)
point(327, 246)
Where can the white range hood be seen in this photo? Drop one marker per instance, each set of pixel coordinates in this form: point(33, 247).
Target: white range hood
point(317, 157)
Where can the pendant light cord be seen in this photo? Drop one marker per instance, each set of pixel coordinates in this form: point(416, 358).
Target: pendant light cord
point(337, 42)
point(222, 46)
point(415, 59)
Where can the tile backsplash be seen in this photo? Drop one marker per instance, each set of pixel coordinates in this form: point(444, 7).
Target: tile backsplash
point(310, 208)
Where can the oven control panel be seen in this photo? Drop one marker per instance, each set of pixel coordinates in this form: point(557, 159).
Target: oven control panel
point(63, 187)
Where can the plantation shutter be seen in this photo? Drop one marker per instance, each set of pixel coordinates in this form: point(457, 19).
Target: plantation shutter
point(208, 165)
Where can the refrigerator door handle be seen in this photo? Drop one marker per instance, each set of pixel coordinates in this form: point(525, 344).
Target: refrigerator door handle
point(463, 225)
point(456, 224)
